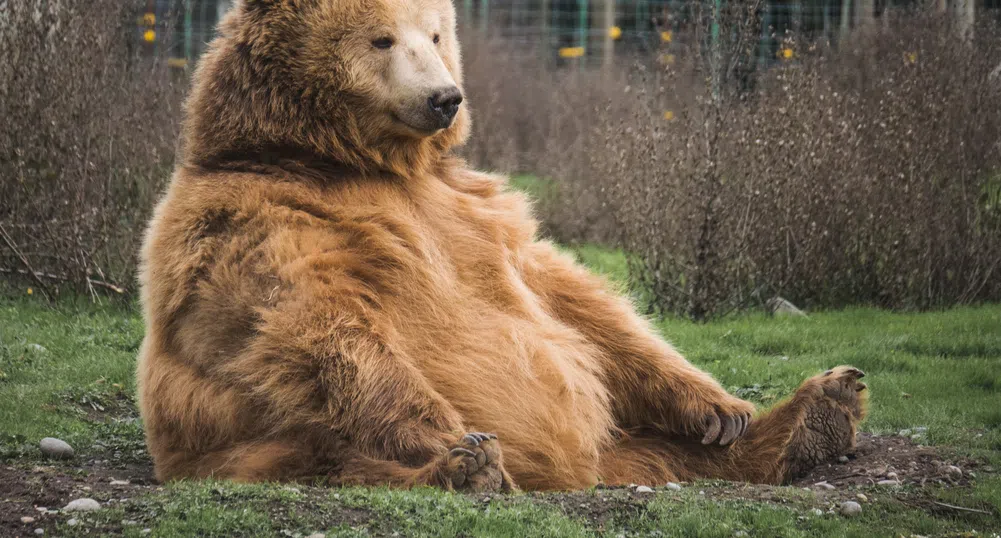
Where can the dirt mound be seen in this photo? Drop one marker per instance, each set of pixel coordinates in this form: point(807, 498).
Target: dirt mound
point(883, 459)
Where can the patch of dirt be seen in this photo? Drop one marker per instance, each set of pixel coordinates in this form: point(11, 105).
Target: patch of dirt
point(40, 491)
point(25, 488)
point(879, 459)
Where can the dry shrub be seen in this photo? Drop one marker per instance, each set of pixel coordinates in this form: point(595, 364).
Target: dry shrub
point(866, 175)
point(86, 143)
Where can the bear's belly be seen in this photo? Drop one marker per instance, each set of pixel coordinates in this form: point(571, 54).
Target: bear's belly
point(534, 382)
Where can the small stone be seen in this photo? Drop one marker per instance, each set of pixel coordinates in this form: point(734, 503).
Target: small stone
point(41, 509)
point(146, 531)
point(740, 534)
point(55, 448)
point(129, 523)
point(825, 485)
point(954, 471)
point(72, 523)
point(817, 512)
point(38, 348)
point(702, 492)
point(862, 497)
point(317, 535)
point(644, 489)
point(850, 508)
point(971, 474)
point(119, 482)
point(27, 519)
point(905, 433)
point(891, 476)
point(888, 483)
point(673, 487)
point(82, 505)
point(843, 459)
point(39, 531)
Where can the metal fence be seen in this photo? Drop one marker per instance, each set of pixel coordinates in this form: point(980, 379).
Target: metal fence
point(582, 32)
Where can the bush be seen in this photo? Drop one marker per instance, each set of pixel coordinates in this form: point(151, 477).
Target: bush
point(867, 174)
point(86, 143)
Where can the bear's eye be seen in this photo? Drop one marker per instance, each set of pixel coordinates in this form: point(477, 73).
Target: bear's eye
point(436, 39)
point(382, 43)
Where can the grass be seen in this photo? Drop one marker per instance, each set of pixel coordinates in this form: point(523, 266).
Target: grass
point(68, 372)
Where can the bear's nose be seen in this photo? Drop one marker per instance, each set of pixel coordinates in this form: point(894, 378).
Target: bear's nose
point(445, 104)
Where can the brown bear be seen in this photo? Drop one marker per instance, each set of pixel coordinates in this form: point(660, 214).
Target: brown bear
point(328, 292)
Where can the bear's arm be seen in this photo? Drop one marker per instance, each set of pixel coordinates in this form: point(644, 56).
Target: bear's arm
point(652, 385)
point(321, 355)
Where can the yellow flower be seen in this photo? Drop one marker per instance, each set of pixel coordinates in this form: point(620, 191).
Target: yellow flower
point(30, 291)
point(668, 115)
point(666, 36)
point(910, 58)
point(667, 59)
point(615, 32)
point(571, 52)
point(149, 36)
point(785, 53)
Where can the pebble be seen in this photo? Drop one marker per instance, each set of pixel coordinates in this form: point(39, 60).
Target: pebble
point(954, 471)
point(82, 505)
point(55, 448)
point(825, 485)
point(817, 512)
point(38, 348)
point(862, 497)
point(843, 459)
point(850, 508)
point(891, 476)
point(147, 531)
point(73, 523)
point(39, 531)
point(644, 489)
point(317, 535)
point(673, 487)
point(740, 534)
point(41, 509)
point(119, 482)
point(888, 483)
point(27, 519)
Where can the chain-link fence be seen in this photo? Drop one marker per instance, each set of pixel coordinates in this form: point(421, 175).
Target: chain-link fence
point(588, 32)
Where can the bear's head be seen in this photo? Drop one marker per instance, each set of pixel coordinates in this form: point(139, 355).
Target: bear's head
point(373, 85)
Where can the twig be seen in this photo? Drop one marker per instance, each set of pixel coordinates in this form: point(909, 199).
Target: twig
point(99, 283)
point(24, 261)
point(962, 508)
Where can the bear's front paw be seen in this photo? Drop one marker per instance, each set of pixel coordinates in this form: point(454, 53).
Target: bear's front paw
point(724, 420)
point(476, 465)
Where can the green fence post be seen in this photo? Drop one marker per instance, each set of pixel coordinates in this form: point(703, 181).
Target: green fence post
point(188, 9)
point(582, 29)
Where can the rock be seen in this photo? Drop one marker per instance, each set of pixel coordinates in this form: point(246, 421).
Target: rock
point(862, 497)
point(888, 483)
point(27, 519)
point(55, 448)
point(850, 509)
point(825, 485)
point(72, 523)
point(644, 489)
point(905, 433)
point(39, 532)
point(673, 487)
point(781, 307)
point(843, 459)
point(37, 348)
point(817, 512)
point(82, 505)
point(740, 534)
point(317, 535)
point(147, 531)
point(891, 476)
point(41, 509)
point(954, 472)
point(129, 523)
point(119, 482)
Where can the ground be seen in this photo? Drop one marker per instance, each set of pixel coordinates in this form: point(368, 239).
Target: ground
point(68, 372)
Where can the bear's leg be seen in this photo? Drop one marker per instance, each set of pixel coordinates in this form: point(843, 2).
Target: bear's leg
point(817, 424)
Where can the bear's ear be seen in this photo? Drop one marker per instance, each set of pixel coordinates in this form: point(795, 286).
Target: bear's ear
point(270, 4)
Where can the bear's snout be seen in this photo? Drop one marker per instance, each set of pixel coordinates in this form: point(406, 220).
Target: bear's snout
point(444, 105)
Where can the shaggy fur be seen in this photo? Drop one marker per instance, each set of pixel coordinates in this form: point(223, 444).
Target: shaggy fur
point(328, 293)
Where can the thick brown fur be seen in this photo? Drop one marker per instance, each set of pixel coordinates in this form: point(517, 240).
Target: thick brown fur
point(330, 294)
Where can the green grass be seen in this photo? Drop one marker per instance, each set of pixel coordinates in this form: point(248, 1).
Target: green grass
point(68, 372)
